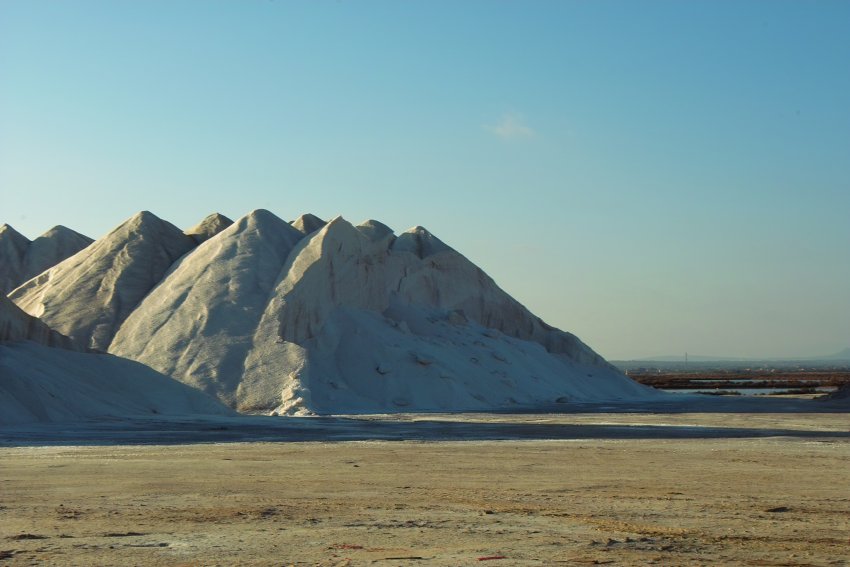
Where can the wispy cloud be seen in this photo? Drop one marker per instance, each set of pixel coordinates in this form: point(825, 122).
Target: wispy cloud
point(511, 126)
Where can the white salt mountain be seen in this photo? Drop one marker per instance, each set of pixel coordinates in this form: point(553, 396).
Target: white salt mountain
point(21, 259)
point(199, 323)
point(88, 296)
point(43, 384)
point(353, 319)
point(371, 323)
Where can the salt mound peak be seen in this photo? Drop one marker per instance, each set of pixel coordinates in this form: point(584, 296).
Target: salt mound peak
point(22, 259)
point(308, 223)
point(375, 230)
point(9, 231)
point(64, 232)
point(209, 227)
point(421, 242)
point(88, 295)
point(260, 217)
point(13, 249)
point(50, 248)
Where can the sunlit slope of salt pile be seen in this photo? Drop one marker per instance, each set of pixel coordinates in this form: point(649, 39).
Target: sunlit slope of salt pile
point(21, 259)
point(353, 319)
point(42, 384)
point(15, 325)
point(199, 323)
point(339, 324)
point(89, 295)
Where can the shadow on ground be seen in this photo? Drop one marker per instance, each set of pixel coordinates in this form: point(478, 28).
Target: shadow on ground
point(422, 427)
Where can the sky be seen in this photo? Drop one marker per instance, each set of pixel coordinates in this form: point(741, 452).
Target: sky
point(657, 177)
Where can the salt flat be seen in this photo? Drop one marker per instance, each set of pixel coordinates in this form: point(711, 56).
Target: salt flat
point(622, 487)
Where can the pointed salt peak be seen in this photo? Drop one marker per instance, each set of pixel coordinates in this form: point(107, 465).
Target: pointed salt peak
point(263, 215)
point(145, 216)
point(140, 219)
point(8, 231)
point(419, 241)
point(308, 223)
point(144, 220)
point(337, 225)
point(65, 232)
point(338, 230)
point(374, 230)
point(212, 221)
point(261, 219)
point(211, 226)
point(218, 218)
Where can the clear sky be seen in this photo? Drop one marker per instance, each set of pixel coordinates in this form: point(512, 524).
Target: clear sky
point(656, 177)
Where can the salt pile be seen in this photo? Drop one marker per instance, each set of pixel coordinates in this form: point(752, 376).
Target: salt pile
point(310, 316)
point(15, 325)
point(43, 384)
point(89, 295)
point(21, 259)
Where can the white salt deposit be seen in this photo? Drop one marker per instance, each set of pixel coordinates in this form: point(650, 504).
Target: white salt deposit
point(21, 259)
point(308, 223)
point(15, 325)
point(89, 295)
point(209, 227)
point(353, 319)
point(199, 323)
point(41, 384)
point(317, 317)
point(13, 248)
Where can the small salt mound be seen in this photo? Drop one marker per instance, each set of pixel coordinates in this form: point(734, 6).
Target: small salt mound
point(41, 384)
point(308, 223)
point(209, 227)
point(375, 230)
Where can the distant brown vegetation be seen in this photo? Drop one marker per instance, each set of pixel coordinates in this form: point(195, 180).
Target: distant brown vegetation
point(797, 380)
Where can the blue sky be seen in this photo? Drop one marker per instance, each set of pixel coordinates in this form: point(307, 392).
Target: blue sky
point(656, 177)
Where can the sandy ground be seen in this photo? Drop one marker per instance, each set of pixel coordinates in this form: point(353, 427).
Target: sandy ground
point(716, 499)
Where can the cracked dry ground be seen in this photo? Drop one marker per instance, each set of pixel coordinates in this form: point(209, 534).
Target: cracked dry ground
point(773, 501)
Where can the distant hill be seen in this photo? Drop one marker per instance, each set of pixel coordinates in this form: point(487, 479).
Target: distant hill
point(843, 355)
point(691, 358)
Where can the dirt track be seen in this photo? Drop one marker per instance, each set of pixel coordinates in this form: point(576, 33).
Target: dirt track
point(770, 501)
